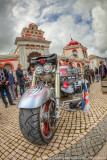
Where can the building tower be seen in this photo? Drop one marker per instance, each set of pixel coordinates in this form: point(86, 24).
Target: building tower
point(77, 53)
point(31, 44)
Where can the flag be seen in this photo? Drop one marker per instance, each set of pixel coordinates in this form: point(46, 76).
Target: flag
point(85, 102)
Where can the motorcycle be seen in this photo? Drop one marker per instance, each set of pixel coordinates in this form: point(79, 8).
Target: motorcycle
point(40, 105)
point(72, 80)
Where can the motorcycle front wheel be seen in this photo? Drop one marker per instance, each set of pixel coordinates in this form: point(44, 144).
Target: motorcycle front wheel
point(38, 125)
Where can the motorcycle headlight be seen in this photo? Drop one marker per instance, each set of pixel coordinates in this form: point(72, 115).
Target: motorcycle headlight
point(48, 67)
point(39, 69)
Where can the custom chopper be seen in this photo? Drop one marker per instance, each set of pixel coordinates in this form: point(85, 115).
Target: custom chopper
point(40, 105)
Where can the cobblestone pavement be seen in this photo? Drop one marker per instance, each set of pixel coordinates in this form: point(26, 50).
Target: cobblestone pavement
point(102, 154)
point(72, 129)
point(88, 146)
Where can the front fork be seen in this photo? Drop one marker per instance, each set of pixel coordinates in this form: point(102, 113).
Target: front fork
point(33, 80)
point(57, 91)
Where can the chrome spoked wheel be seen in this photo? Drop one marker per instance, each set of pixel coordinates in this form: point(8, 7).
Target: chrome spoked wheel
point(47, 119)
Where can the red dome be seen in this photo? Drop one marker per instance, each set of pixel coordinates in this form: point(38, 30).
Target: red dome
point(72, 43)
point(33, 26)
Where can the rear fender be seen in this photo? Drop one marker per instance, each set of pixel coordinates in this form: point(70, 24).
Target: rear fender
point(35, 97)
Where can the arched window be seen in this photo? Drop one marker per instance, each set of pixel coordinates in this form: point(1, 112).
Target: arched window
point(78, 65)
point(85, 54)
point(70, 65)
point(74, 53)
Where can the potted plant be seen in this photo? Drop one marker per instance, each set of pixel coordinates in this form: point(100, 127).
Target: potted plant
point(104, 85)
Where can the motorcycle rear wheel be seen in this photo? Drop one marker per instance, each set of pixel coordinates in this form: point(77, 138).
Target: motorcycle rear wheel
point(36, 129)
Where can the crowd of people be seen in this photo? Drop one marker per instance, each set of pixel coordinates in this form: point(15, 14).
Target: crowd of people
point(9, 84)
point(97, 74)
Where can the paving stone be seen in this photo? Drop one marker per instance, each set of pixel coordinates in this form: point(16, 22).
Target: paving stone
point(14, 158)
point(68, 151)
point(79, 145)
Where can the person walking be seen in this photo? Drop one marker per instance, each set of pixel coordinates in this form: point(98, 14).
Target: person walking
point(16, 88)
point(87, 73)
point(4, 80)
point(29, 76)
point(30, 70)
point(96, 74)
point(102, 70)
point(92, 74)
point(20, 78)
point(11, 85)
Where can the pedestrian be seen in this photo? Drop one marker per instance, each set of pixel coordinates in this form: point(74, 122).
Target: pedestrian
point(20, 78)
point(11, 85)
point(102, 70)
point(30, 70)
point(87, 73)
point(89, 76)
point(96, 74)
point(16, 88)
point(4, 80)
point(92, 74)
point(29, 76)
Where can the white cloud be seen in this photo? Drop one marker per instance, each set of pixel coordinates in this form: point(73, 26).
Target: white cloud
point(83, 7)
point(100, 27)
point(90, 30)
point(24, 14)
point(61, 31)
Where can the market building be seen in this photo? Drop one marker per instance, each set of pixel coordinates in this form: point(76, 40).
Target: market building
point(77, 54)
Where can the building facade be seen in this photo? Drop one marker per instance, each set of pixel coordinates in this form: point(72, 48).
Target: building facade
point(77, 54)
point(10, 61)
point(95, 61)
point(33, 44)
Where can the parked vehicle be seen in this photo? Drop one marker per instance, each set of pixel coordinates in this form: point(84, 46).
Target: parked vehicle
point(72, 80)
point(40, 105)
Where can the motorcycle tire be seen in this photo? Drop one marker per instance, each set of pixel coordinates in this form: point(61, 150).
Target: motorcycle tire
point(29, 121)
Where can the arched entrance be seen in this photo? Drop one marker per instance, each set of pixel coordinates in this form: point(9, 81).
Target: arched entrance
point(78, 65)
point(33, 55)
point(82, 67)
point(8, 66)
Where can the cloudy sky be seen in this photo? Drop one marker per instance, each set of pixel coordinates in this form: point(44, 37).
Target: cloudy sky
point(83, 20)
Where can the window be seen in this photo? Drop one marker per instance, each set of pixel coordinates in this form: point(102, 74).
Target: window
point(74, 53)
point(84, 54)
point(78, 65)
